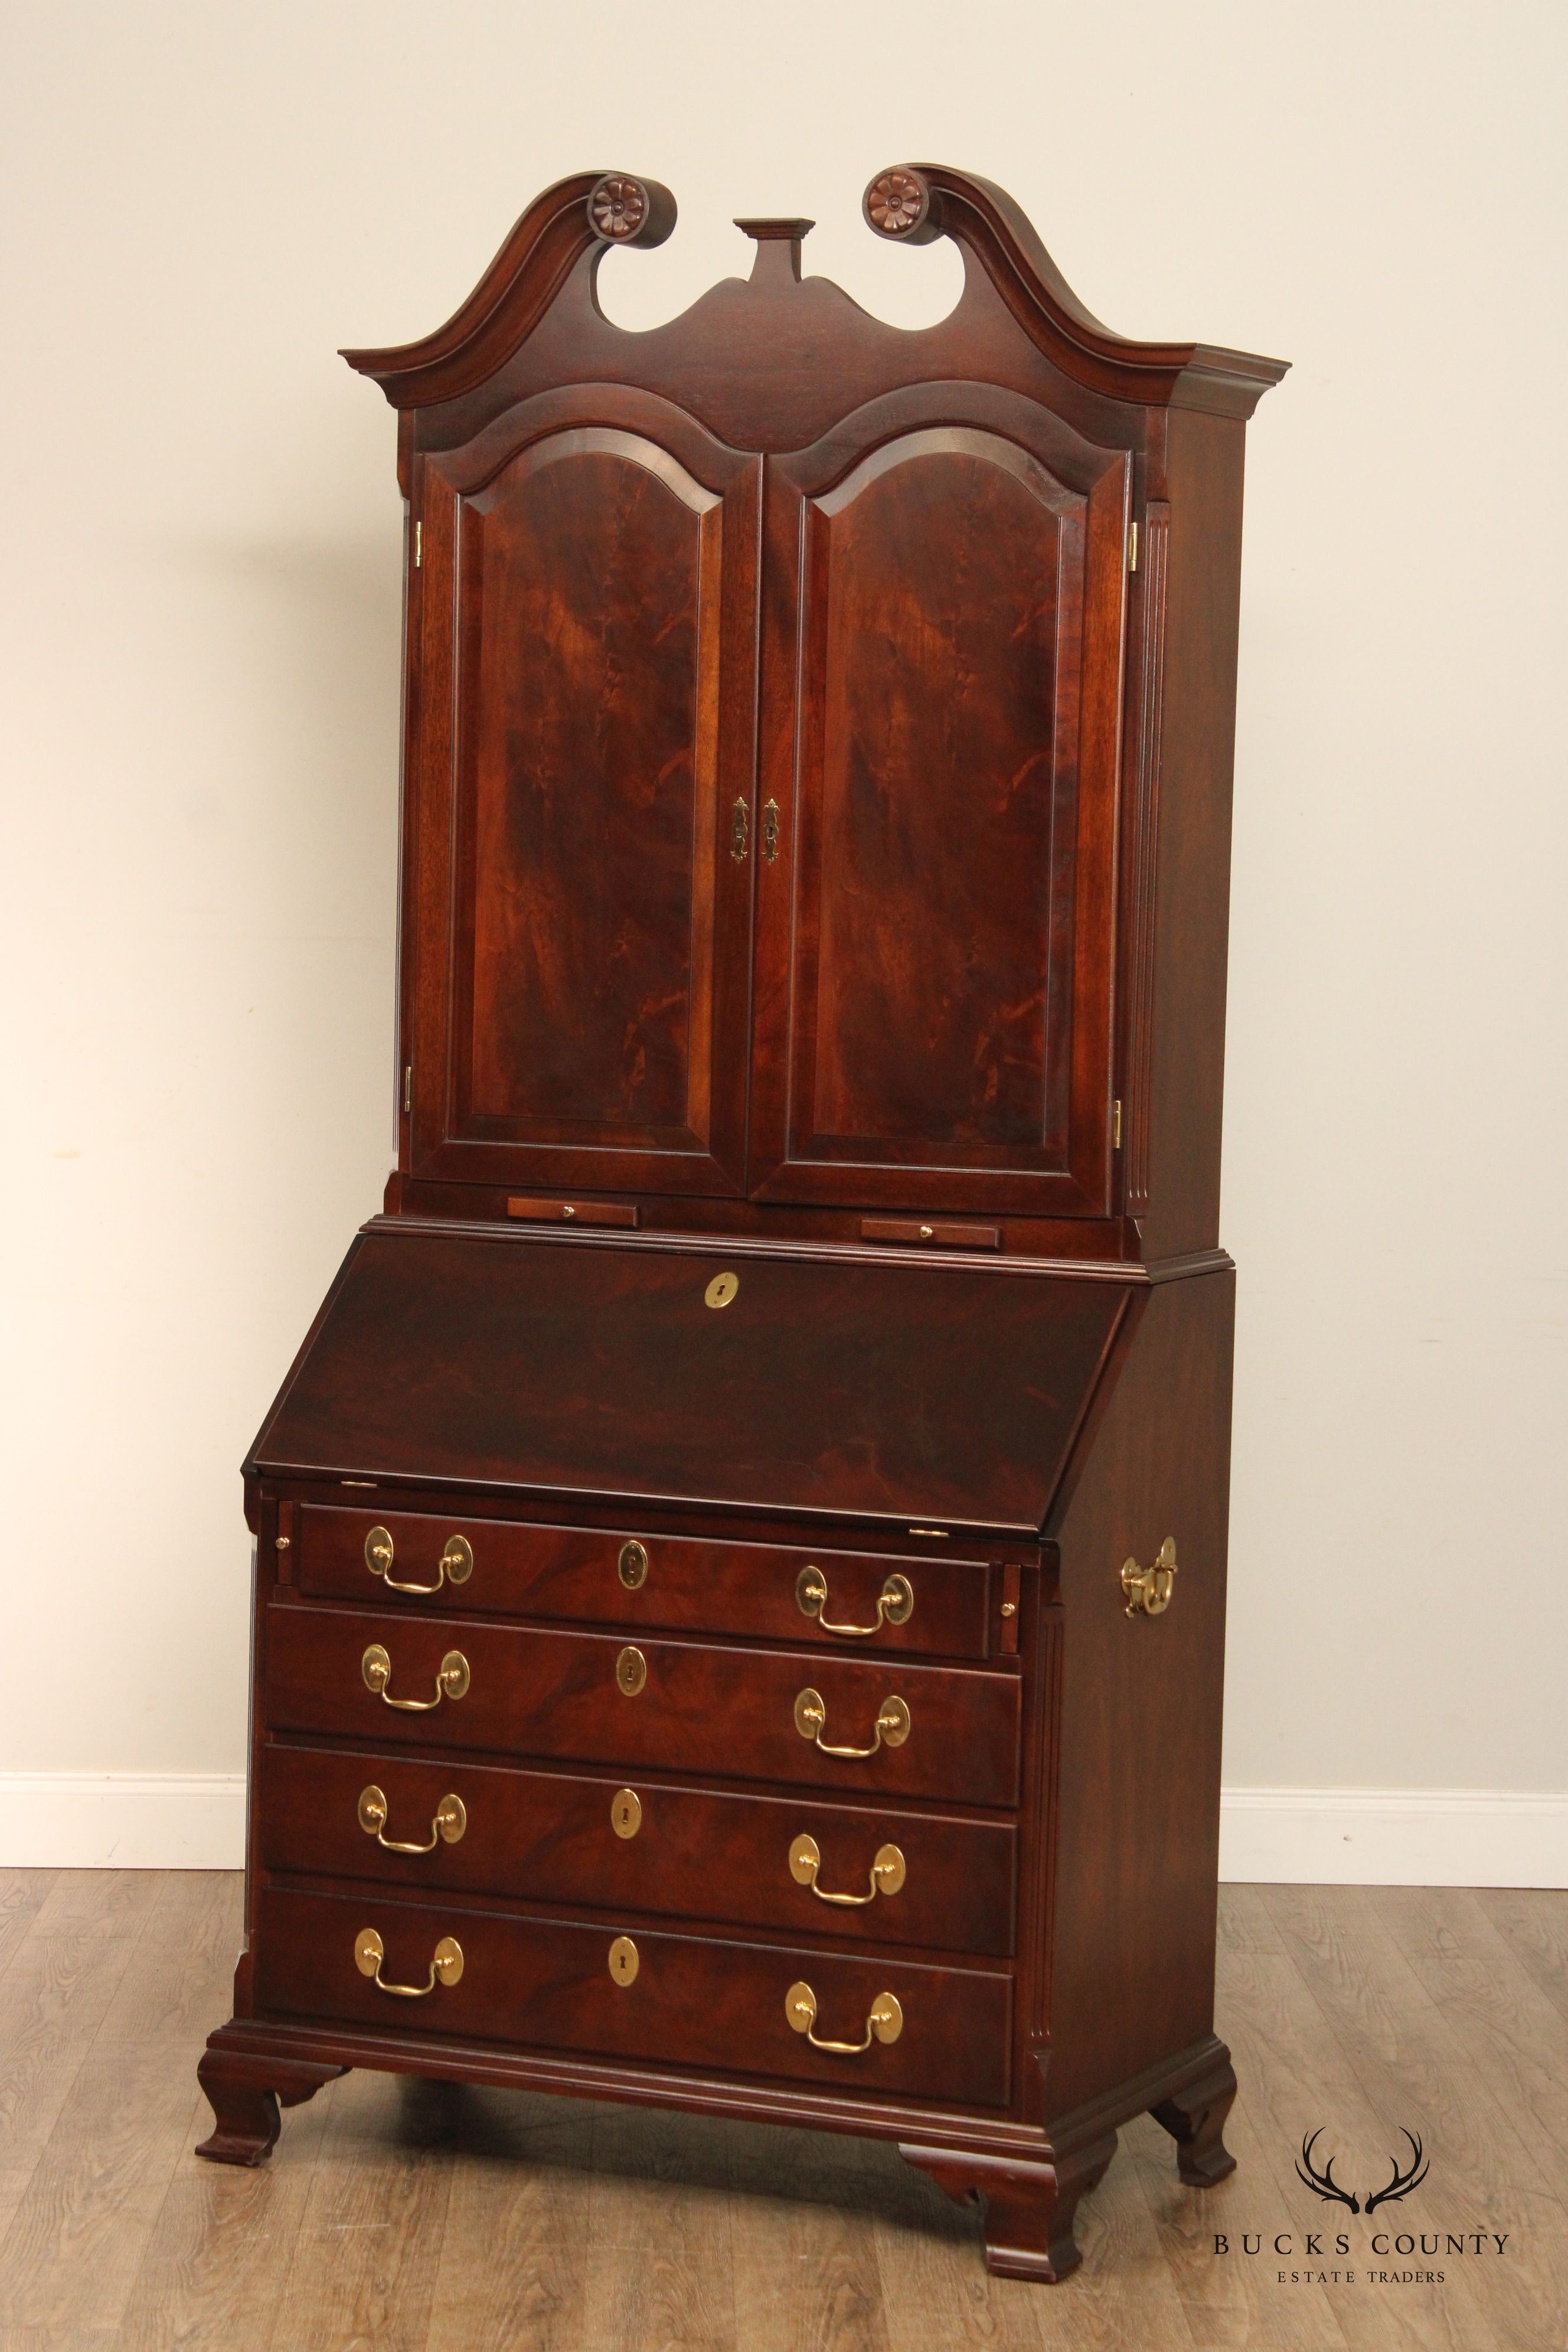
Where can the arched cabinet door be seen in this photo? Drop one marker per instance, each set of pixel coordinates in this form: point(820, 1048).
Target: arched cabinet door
point(942, 697)
point(580, 917)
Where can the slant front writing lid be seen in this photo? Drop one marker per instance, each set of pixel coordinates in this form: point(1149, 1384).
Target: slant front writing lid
point(911, 1394)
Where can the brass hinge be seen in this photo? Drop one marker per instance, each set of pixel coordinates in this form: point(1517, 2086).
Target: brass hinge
point(408, 1085)
point(1132, 549)
point(1116, 1125)
point(420, 546)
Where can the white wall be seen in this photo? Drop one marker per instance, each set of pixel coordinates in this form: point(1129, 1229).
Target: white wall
point(201, 578)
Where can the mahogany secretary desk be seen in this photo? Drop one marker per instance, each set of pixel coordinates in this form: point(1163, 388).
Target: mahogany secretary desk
point(741, 1548)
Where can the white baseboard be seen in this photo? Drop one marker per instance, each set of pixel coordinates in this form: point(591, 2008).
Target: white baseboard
point(1326, 1837)
point(122, 1820)
point(1393, 1837)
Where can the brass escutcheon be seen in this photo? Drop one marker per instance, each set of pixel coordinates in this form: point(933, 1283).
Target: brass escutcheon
point(449, 1821)
point(631, 1671)
point(626, 1812)
point(632, 1565)
point(806, 1859)
point(624, 1961)
point(446, 1967)
point(1148, 1590)
point(885, 2022)
point(451, 1680)
point(895, 1604)
point(455, 1567)
point(891, 1729)
point(722, 1289)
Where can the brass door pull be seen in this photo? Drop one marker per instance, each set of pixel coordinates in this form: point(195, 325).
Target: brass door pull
point(892, 1726)
point(895, 1604)
point(451, 1680)
point(455, 1566)
point(446, 1967)
point(806, 1861)
point(1148, 1590)
point(885, 2022)
point(451, 1818)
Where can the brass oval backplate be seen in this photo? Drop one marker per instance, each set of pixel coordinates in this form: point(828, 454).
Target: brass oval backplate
point(624, 1961)
point(722, 1289)
point(632, 1565)
point(631, 1671)
point(457, 1559)
point(626, 1812)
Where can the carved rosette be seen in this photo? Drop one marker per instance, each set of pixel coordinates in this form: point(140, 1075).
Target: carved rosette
point(896, 203)
point(617, 207)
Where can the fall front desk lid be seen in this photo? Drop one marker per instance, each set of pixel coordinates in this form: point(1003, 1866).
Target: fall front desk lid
point(939, 1392)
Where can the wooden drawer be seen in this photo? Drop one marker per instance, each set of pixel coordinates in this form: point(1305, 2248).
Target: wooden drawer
point(545, 1984)
point(536, 1690)
point(628, 1577)
point(697, 1854)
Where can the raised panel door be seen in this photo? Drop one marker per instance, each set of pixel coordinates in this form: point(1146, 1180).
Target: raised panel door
point(582, 927)
point(941, 695)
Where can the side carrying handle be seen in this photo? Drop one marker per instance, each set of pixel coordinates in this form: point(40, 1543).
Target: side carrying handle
point(1148, 1590)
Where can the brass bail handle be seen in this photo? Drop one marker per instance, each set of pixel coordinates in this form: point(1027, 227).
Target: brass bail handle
point(449, 1821)
point(895, 1604)
point(455, 1567)
point(1148, 1590)
point(451, 1680)
point(445, 1966)
point(806, 1861)
point(892, 1726)
point(885, 2022)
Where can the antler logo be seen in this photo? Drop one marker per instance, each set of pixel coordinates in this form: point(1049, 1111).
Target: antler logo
point(1323, 2184)
point(1402, 2182)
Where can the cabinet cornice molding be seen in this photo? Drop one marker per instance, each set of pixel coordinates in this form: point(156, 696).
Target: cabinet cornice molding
point(539, 256)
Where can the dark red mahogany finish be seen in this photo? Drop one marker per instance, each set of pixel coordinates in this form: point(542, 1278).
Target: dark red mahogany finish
point(691, 1535)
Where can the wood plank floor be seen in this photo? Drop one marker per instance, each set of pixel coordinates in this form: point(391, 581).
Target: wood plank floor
point(419, 2218)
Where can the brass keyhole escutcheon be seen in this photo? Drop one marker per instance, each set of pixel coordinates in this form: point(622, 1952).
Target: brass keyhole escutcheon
point(626, 1812)
point(631, 1671)
point(632, 1565)
point(1148, 1590)
point(895, 1604)
point(806, 1861)
point(624, 1961)
point(722, 1289)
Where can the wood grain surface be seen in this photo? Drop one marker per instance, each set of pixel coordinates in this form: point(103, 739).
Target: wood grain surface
point(433, 2217)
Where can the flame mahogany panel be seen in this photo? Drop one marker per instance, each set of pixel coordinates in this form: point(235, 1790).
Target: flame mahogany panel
point(945, 1394)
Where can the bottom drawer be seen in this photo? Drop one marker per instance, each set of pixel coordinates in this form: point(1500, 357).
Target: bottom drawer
point(557, 1985)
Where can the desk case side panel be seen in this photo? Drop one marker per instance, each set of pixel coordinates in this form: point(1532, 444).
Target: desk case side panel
point(1137, 1814)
